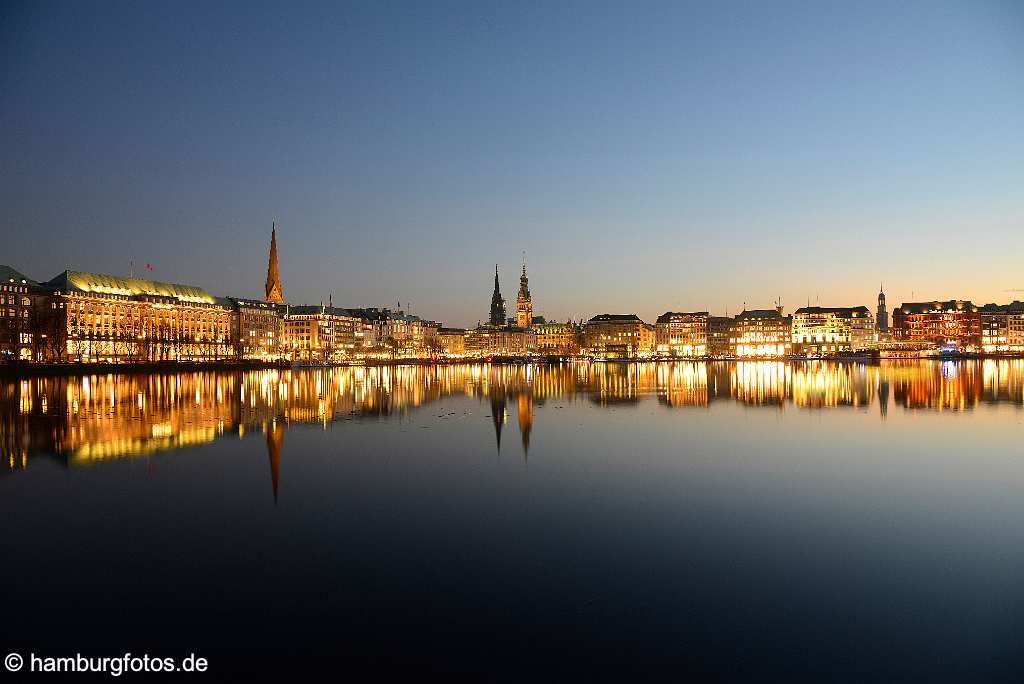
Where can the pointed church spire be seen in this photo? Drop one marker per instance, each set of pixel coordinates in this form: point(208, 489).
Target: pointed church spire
point(497, 302)
point(273, 292)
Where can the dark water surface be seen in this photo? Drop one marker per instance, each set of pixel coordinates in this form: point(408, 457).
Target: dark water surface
point(745, 521)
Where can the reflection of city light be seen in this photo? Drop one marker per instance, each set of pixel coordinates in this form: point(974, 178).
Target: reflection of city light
point(107, 416)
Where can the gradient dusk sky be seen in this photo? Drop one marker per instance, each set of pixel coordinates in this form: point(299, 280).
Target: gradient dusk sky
point(646, 156)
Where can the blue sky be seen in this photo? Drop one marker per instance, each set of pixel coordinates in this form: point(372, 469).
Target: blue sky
point(647, 156)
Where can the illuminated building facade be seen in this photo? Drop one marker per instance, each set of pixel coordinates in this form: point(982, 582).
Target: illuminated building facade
point(451, 342)
point(682, 334)
point(823, 331)
point(761, 333)
point(557, 339)
point(95, 317)
point(719, 330)
point(318, 333)
point(1002, 327)
point(955, 324)
point(401, 333)
point(486, 340)
point(257, 329)
point(618, 336)
point(16, 313)
point(524, 302)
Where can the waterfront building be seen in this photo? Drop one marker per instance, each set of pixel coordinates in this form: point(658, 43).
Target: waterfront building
point(1002, 327)
point(256, 328)
point(318, 333)
point(823, 331)
point(16, 315)
point(881, 315)
point(557, 339)
point(451, 341)
point(955, 324)
point(497, 317)
point(719, 328)
point(682, 334)
point(618, 336)
point(274, 291)
point(401, 333)
point(761, 333)
point(488, 340)
point(94, 317)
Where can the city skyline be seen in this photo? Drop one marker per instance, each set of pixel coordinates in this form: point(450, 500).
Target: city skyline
point(500, 309)
point(669, 157)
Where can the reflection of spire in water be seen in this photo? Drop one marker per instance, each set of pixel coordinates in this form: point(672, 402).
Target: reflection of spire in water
point(883, 398)
point(525, 409)
point(275, 437)
point(498, 414)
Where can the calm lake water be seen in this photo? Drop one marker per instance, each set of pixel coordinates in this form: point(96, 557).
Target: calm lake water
point(745, 521)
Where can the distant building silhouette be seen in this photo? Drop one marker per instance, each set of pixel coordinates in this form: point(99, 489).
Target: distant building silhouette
point(497, 303)
point(882, 315)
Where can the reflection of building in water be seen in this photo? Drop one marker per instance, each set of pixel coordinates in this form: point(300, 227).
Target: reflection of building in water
point(275, 438)
point(883, 398)
point(104, 416)
point(761, 383)
point(525, 413)
point(683, 384)
point(947, 385)
point(612, 383)
point(498, 413)
point(1003, 381)
point(818, 384)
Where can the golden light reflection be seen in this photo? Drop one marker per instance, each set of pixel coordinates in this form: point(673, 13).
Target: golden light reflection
point(100, 417)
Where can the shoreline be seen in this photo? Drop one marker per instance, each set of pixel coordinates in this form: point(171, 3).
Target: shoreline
point(77, 369)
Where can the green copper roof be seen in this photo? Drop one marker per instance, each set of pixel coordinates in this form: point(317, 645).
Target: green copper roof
point(84, 281)
point(7, 274)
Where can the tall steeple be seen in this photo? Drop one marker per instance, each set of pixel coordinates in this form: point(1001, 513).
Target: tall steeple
point(497, 303)
point(273, 292)
point(882, 315)
point(524, 302)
